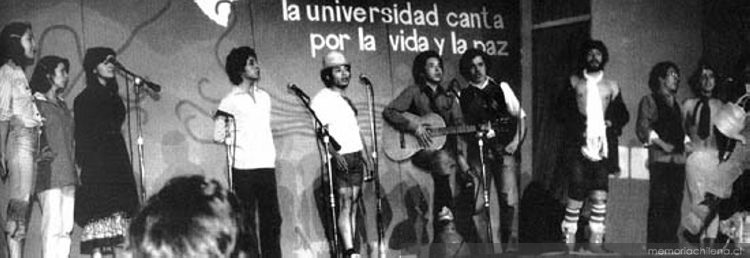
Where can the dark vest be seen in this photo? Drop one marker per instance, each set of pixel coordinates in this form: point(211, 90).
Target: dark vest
point(669, 123)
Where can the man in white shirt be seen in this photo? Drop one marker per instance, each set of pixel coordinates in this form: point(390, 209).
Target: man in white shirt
point(243, 122)
point(339, 116)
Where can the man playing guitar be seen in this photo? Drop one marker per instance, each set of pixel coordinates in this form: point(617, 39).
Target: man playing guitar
point(427, 96)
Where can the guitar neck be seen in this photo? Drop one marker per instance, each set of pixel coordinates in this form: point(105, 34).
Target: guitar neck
point(461, 129)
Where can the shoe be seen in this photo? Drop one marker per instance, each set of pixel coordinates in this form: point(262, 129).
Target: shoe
point(596, 244)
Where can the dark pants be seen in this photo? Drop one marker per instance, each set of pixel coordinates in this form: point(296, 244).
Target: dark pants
point(258, 187)
point(585, 175)
point(666, 184)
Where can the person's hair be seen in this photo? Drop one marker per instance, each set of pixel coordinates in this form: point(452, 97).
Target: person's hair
point(695, 79)
point(93, 57)
point(10, 43)
point(736, 88)
point(660, 71)
point(418, 69)
point(236, 61)
point(190, 217)
point(464, 64)
point(45, 68)
point(588, 45)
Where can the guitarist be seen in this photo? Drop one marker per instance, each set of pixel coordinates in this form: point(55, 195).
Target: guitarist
point(339, 115)
point(483, 101)
point(426, 96)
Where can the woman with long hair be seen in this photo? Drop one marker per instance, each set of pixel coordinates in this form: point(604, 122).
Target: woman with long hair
point(19, 125)
point(107, 197)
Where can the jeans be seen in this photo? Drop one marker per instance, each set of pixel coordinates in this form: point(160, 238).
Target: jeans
point(20, 154)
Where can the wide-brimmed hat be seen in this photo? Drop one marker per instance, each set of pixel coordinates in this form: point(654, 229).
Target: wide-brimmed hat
point(730, 120)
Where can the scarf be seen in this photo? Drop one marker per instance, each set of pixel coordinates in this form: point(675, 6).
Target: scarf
point(595, 147)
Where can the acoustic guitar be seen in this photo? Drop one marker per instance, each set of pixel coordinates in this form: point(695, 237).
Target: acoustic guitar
point(400, 145)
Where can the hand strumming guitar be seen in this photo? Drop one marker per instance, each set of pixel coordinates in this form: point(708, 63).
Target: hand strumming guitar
point(423, 135)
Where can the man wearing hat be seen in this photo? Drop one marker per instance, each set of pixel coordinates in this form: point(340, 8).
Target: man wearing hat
point(339, 116)
point(244, 120)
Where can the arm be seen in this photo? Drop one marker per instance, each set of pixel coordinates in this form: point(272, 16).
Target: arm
point(369, 160)
point(223, 123)
point(514, 108)
point(617, 114)
point(402, 103)
point(647, 115)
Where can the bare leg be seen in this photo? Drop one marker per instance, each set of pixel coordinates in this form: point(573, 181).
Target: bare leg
point(345, 217)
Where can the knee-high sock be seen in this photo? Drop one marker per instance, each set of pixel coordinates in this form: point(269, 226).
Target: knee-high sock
point(598, 214)
point(572, 213)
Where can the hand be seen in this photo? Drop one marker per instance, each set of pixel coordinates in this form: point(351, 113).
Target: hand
point(339, 162)
point(668, 148)
point(369, 164)
point(490, 133)
point(46, 154)
point(423, 135)
point(689, 148)
point(608, 123)
point(511, 148)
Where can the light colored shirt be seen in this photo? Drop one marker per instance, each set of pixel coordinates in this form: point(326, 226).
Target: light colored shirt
point(335, 112)
point(16, 99)
point(250, 128)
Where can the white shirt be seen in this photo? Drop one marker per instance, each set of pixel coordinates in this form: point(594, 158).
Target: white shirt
point(16, 99)
point(511, 101)
point(252, 123)
point(334, 111)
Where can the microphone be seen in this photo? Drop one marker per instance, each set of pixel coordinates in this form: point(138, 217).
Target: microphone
point(139, 80)
point(364, 80)
point(297, 91)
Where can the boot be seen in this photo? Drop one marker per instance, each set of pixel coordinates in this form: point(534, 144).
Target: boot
point(596, 240)
point(569, 233)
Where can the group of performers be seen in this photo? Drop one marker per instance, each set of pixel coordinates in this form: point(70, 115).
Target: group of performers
point(243, 123)
point(39, 157)
point(43, 144)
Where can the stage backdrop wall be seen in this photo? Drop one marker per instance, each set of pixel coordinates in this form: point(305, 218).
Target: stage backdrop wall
point(182, 45)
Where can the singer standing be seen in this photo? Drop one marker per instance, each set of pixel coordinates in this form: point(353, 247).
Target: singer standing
point(243, 121)
point(107, 197)
point(487, 100)
point(56, 171)
point(19, 125)
point(338, 114)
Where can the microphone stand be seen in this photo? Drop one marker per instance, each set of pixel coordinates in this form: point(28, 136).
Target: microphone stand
point(323, 135)
point(486, 191)
point(375, 175)
point(138, 85)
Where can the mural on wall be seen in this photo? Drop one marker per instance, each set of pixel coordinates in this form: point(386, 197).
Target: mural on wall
point(182, 44)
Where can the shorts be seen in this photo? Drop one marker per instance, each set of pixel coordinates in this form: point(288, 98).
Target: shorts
point(355, 169)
